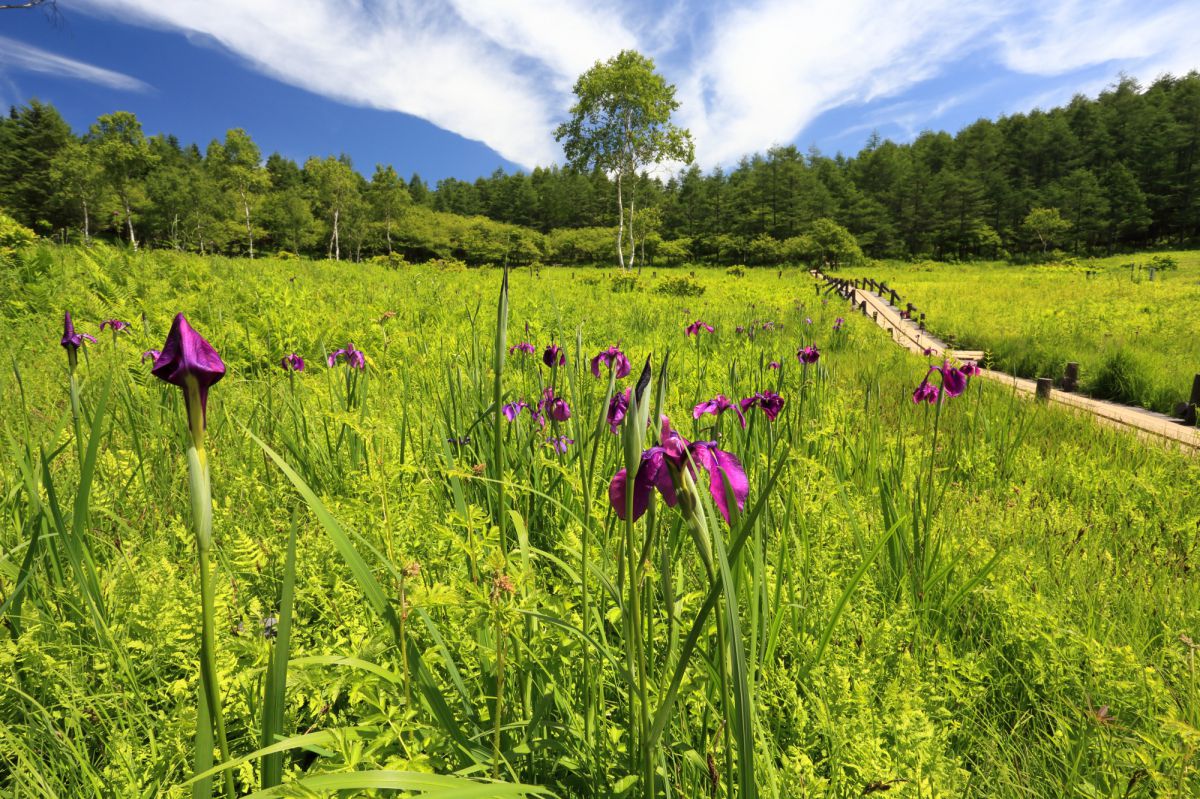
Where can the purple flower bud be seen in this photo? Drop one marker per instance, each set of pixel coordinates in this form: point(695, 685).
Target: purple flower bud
point(187, 360)
point(116, 324)
point(293, 362)
point(617, 407)
point(70, 339)
point(554, 354)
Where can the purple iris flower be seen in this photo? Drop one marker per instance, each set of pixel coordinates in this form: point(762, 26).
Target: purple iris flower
point(524, 347)
point(768, 326)
point(717, 406)
point(954, 382)
point(672, 455)
point(926, 392)
point(354, 358)
point(555, 407)
point(808, 320)
point(808, 355)
point(739, 330)
point(150, 355)
point(770, 403)
point(116, 324)
point(559, 443)
point(70, 339)
point(927, 352)
point(187, 360)
point(695, 327)
point(774, 365)
point(617, 407)
point(614, 359)
point(553, 354)
point(837, 323)
point(513, 409)
point(970, 369)
point(293, 362)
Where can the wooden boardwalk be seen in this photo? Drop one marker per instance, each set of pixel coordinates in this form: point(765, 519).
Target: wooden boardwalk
point(908, 334)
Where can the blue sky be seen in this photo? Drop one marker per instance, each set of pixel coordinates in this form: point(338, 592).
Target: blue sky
point(461, 87)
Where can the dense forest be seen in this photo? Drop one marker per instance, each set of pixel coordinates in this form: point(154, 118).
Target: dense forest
point(1098, 175)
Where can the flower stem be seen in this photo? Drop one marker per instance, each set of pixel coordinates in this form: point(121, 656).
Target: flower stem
point(201, 499)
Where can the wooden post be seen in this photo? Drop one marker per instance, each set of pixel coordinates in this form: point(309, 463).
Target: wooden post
point(1070, 379)
point(895, 297)
point(1044, 384)
point(818, 288)
point(1195, 400)
point(875, 315)
point(1151, 272)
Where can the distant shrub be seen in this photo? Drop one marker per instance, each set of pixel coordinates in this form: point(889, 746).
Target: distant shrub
point(395, 260)
point(1122, 378)
point(286, 255)
point(682, 286)
point(447, 265)
point(1164, 262)
point(623, 283)
point(737, 270)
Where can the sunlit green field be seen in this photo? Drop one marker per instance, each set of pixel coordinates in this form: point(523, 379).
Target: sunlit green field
point(983, 598)
point(1136, 340)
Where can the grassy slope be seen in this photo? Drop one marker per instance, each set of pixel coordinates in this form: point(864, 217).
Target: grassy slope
point(1136, 340)
point(993, 696)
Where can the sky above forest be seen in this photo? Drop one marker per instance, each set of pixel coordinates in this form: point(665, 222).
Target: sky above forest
point(461, 87)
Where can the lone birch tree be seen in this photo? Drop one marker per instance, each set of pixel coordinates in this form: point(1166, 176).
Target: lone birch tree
point(621, 123)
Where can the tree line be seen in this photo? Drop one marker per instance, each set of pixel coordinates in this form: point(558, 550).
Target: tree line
point(1116, 172)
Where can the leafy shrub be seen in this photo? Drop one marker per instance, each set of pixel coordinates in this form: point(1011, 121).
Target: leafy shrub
point(394, 260)
point(682, 286)
point(12, 235)
point(1164, 262)
point(287, 255)
point(447, 265)
point(623, 283)
point(737, 270)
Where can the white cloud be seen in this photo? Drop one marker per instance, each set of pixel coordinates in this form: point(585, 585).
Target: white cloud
point(474, 67)
point(750, 73)
point(772, 68)
point(19, 56)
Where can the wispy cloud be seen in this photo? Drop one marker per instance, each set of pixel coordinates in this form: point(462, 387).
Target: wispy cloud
point(20, 56)
point(751, 73)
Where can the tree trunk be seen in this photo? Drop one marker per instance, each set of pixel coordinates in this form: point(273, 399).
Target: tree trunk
point(388, 233)
point(249, 229)
point(620, 224)
point(129, 223)
point(87, 237)
point(632, 240)
point(337, 242)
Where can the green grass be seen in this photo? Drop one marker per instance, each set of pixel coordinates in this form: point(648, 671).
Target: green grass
point(863, 623)
point(1136, 340)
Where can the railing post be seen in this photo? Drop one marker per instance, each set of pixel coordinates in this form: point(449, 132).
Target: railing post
point(1070, 379)
point(1044, 384)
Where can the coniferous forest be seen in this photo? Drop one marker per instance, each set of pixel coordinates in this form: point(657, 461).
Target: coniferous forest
point(1103, 175)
